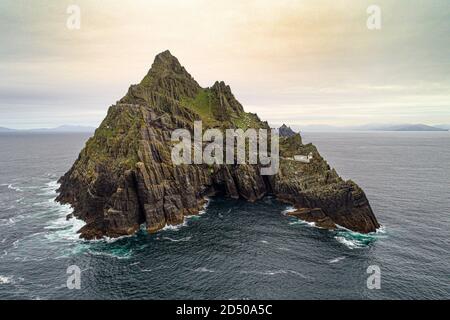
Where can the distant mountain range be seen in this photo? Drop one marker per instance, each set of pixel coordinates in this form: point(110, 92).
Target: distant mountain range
point(316, 128)
point(60, 129)
point(373, 127)
point(443, 126)
point(410, 127)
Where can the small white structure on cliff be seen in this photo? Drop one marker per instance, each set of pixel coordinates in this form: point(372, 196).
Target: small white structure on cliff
point(304, 159)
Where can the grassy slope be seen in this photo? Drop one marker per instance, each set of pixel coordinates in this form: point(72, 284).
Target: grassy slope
point(206, 106)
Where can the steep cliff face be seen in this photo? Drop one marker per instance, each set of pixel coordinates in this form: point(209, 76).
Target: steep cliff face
point(124, 176)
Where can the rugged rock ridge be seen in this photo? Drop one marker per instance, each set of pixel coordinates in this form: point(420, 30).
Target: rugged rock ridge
point(285, 131)
point(125, 177)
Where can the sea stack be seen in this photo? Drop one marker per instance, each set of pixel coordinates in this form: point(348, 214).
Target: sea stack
point(285, 131)
point(125, 177)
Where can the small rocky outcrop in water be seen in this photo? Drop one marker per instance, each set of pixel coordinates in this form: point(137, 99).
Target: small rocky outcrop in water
point(124, 176)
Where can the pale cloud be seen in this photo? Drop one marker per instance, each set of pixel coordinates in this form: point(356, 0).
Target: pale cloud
point(300, 62)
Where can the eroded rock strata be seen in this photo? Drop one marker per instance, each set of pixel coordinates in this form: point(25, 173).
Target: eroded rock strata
point(124, 176)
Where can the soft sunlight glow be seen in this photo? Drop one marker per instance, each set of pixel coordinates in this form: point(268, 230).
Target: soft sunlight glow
point(299, 62)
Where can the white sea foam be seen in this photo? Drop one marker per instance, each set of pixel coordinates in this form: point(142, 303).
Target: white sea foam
point(52, 184)
point(63, 228)
point(60, 228)
point(153, 269)
point(12, 187)
point(177, 240)
point(107, 239)
point(354, 240)
point(10, 279)
point(187, 218)
point(175, 227)
point(112, 240)
point(274, 272)
point(203, 269)
point(205, 206)
point(349, 243)
point(336, 260)
point(303, 222)
point(265, 273)
point(7, 222)
point(5, 279)
point(297, 221)
point(192, 217)
point(49, 189)
point(298, 274)
point(120, 256)
point(381, 229)
point(288, 210)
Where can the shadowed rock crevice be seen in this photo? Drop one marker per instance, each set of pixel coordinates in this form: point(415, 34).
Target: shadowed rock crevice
point(124, 176)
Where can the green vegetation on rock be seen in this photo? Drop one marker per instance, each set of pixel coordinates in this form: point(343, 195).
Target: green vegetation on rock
point(204, 105)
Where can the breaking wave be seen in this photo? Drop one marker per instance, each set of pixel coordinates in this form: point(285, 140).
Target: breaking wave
point(302, 222)
point(7, 222)
point(49, 189)
point(205, 206)
point(187, 218)
point(63, 228)
point(351, 239)
point(175, 227)
point(203, 269)
point(10, 279)
point(5, 280)
point(288, 210)
point(356, 240)
point(12, 187)
point(177, 240)
point(275, 272)
point(336, 260)
point(116, 253)
point(297, 220)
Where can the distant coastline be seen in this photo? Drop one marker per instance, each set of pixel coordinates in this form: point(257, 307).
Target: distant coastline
point(60, 129)
point(296, 128)
point(373, 127)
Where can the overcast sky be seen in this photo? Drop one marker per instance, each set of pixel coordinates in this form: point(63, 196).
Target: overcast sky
point(300, 62)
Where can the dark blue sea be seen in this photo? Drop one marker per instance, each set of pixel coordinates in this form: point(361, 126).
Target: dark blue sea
point(236, 250)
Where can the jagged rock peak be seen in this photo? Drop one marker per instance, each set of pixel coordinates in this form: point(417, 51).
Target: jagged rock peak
point(221, 85)
point(166, 66)
point(226, 98)
point(167, 78)
point(165, 60)
point(285, 131)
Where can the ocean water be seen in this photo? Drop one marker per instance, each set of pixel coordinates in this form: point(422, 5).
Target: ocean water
point(235, 250)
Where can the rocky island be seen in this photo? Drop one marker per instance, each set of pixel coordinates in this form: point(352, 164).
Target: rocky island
point(124, 176)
